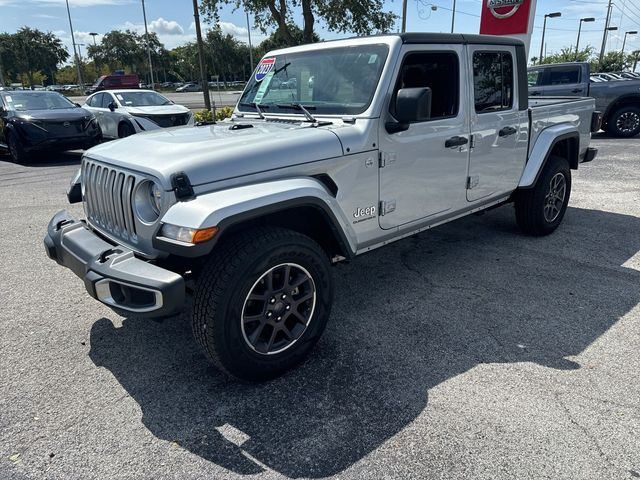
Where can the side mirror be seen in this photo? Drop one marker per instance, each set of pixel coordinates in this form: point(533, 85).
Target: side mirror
point(112, 106)
point(77, 105)
point(412, 105)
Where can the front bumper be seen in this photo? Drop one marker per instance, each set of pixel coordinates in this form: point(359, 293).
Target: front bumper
point(111, 273)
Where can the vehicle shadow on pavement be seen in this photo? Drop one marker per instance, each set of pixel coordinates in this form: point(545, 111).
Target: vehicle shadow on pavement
point(54, 159)
point(406, 319)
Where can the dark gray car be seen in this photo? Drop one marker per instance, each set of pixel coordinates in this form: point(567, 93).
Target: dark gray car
point(619, 101)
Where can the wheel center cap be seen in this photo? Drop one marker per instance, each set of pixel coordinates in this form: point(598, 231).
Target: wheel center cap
point(279, 308)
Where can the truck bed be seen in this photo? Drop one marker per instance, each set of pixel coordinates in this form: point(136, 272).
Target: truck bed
point(545, 112)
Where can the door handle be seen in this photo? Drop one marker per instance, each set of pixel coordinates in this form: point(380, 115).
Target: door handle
point(456, 141)
point(576, 90)
point(506, 131)
point(534, 93)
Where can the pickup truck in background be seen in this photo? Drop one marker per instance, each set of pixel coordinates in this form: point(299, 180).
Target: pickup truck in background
point(396, 134)
point(619, 101)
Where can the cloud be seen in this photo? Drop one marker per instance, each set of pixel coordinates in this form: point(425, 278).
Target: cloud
point(232, 29)
point(166, 27)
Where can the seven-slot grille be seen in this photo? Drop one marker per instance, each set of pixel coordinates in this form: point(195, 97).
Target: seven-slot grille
point(108, 197)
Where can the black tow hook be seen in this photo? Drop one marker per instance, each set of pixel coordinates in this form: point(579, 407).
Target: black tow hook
point(62, 223)
point(104, 256)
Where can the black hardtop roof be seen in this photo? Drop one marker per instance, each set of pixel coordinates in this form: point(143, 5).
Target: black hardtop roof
point(464, 38)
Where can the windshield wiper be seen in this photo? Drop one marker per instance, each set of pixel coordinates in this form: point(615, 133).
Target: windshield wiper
point(256, 106)
point(304, 109)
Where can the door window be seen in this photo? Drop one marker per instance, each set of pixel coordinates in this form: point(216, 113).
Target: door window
point(106, 100)
point(492, 81)
point(437, 71)
point(96, 100)
point(563, 76)
point(534, 78)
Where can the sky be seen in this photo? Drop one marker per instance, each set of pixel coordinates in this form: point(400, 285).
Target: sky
point(172, 20)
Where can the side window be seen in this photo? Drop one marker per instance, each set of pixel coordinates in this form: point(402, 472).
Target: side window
point(534, 78)
point(96, 100)
point(492, 81)
point(106, 100)
point(563, 76)
point(438, 71)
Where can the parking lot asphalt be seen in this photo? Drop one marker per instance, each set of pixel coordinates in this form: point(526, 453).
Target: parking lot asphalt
point(467, 352)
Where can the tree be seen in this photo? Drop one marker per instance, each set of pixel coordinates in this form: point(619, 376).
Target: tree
point(611, 62)
point(29, 51)
point(361, 17)
point(276, 40)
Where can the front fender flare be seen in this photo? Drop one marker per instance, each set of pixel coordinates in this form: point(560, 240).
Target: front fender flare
point(227, 207)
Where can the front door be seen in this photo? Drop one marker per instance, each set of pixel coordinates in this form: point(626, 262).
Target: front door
point(498, 124)
point(423, 169)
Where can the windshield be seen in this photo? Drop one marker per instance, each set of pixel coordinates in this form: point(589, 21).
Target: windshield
point(338, 81)
point(142, 99)
point(22, 101)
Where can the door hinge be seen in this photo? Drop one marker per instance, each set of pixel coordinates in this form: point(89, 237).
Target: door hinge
point(387, 206)
point(386, 158)
point(473, 181)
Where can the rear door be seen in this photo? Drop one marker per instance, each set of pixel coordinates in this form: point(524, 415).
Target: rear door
point(564, 81)
point(499, 124)
point(422, 175)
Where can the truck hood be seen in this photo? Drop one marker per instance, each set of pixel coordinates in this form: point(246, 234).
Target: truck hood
point(221, 151)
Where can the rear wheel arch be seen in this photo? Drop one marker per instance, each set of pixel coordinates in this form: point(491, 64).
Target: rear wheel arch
point(627, 100)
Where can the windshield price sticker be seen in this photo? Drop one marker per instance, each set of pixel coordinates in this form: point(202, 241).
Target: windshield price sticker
point(264, 67)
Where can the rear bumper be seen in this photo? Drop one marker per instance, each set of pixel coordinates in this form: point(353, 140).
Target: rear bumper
point(112, 274)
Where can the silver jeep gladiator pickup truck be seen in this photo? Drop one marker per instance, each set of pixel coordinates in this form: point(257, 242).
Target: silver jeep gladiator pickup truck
point(334, 149)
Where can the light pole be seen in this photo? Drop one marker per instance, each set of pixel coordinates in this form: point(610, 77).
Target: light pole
point(75, 53)
point(80, 50)
point(203, 70)
point(624, 42)
point(604, 34)
point(453, 15)
point(404, 16)
point(588, 19)
point(544, 28)
point(93, 34)
point(608, 29)
point(250, 47)
point(146, 32)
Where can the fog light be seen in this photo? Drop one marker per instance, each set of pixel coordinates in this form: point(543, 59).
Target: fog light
point(186, 234)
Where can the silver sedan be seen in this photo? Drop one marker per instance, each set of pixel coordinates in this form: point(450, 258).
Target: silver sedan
point(121, 113)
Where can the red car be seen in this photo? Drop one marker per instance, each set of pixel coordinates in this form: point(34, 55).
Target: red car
point(113, 82)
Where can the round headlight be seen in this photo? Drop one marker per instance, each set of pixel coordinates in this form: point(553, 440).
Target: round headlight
point(156, 197)
point(148, 201)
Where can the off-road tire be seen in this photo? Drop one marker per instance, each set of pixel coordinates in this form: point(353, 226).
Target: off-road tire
point(125, 130)
point(624, 122)
point(16, 151)
point(530, 203)
point(224, 283)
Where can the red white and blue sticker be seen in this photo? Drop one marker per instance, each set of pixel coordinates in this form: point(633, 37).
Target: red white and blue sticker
point(264, 67)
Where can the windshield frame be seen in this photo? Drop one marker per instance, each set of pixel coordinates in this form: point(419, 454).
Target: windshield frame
point(275, 108)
